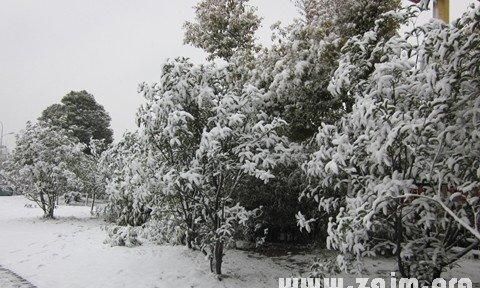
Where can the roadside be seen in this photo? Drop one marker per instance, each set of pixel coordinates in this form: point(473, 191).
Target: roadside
point(9, 279)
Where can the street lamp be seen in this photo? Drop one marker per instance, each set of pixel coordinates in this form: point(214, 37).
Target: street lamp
point(5, 134)
point(1, 134)
point(1, 139)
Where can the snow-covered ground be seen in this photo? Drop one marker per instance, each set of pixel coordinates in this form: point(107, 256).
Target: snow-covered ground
point(69, 252)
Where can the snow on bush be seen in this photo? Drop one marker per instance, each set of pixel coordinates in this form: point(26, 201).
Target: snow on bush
point(295, 71)
point(404, 163)
point(123, 236)
point(163, 230)
point(129, 184)
point(208, 136)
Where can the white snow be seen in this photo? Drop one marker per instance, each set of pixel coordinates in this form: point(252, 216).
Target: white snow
point(69, 252)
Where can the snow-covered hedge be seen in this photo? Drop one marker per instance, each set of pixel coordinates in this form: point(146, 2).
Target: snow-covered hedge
point(404, 163)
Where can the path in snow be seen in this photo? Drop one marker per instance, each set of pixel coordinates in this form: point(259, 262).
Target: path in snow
point(8, 279)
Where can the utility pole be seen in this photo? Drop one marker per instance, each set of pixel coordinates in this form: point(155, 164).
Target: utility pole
point(1, 141)
point(441, 10)
point(1, 134)
point(2, 147)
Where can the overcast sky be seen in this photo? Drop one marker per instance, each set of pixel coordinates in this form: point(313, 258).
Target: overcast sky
point(107, 47)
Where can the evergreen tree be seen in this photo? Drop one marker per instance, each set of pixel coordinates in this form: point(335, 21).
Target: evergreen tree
point(295, 72)
point(80, 113)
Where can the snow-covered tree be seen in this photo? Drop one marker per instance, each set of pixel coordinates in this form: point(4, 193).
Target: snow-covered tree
point(404, 164)
point(294, 73)
point(293, 76)
point(209, 137)
point(223, 27)
point(90, 171)
point(172, 119)
point(4, 185)
point(240, 141)
point(43, 165)
point(80, 113)
point(129, 183)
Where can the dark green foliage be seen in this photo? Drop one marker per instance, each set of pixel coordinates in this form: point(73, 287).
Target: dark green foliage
point(296, 71)
point(279, 203)
point(361, 15)
point(80, 113)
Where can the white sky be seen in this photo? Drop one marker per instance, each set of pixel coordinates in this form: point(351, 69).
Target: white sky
point(107, 47)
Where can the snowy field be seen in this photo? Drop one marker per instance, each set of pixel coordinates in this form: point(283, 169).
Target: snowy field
point(69, 252)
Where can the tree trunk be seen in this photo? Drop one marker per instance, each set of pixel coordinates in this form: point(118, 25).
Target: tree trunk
point(216, 258)
point(50, 206)
point(49, 212)
point(191, 233)
point(437, 273)
point(93, 203)
point(399, 240)
point(217, 255)
point(188, 240)
point(43, 203)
